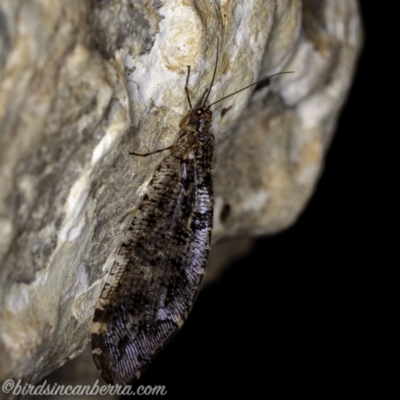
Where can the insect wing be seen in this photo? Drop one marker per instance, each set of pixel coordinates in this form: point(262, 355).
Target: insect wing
point(157, 273)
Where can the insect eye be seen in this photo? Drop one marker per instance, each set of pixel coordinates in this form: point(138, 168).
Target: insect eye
point(199, 112)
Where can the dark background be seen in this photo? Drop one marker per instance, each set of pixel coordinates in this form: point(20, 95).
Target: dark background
point(288, 319)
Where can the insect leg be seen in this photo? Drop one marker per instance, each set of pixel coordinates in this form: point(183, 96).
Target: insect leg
point(152, 152)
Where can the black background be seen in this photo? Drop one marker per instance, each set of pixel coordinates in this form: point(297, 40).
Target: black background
point(288, 319)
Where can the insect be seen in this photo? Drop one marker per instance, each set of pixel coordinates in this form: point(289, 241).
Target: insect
point(157, 272)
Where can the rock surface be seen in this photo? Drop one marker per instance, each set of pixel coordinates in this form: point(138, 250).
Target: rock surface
point(83, 83)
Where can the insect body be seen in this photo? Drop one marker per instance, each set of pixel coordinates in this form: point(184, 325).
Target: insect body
point(157, 273)
point(159, 267)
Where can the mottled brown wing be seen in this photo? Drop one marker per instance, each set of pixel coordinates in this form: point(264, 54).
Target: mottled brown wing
point(157, 273)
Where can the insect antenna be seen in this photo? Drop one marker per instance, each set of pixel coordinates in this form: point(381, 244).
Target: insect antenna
point(255, 83)
point(215, 71)
point(187, 88)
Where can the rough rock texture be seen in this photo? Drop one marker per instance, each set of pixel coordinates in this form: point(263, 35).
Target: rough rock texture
point(82, 83)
